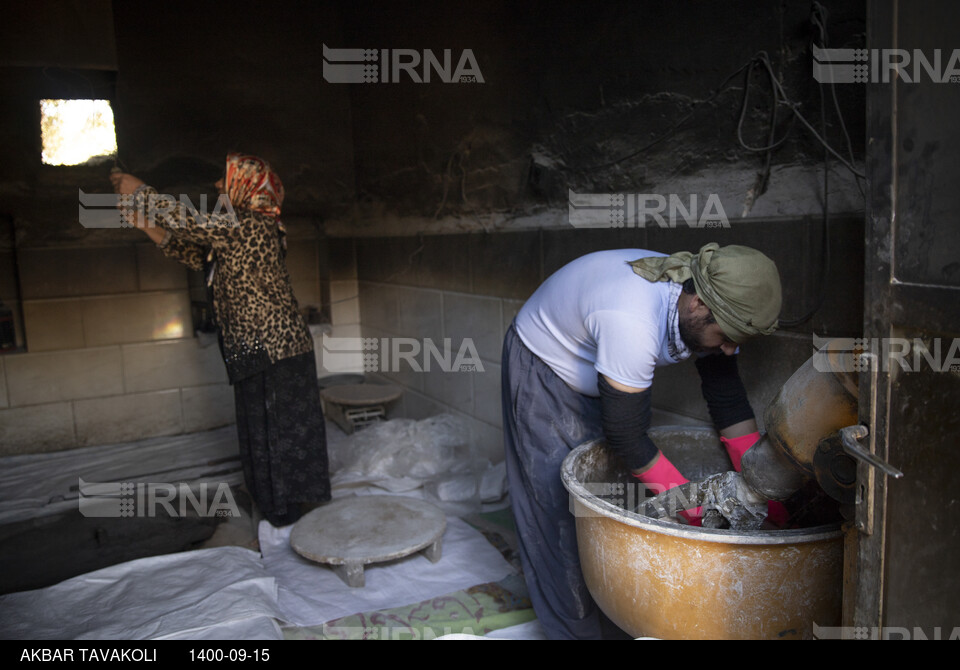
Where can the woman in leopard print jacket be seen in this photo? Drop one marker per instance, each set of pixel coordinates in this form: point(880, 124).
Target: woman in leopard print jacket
point(266, 346)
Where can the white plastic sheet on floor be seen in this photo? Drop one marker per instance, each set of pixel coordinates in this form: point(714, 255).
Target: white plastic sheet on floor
point(222, 592)
point(33, 485)
point(233, 593)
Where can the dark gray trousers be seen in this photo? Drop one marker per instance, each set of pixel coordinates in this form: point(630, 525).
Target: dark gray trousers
point(543, 420)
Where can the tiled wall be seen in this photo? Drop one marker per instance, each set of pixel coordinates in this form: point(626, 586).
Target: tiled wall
point(102, 395)
point(410, 319)
point(471, 286)
point(111, 355)
point(341, 306)
point(89, 297)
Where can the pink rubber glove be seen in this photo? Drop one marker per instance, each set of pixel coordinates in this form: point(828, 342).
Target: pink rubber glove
point(736, 447)
point(663, 476)
point(777, 514)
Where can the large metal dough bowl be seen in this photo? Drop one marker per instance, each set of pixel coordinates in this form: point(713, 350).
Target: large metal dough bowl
point(664, 580)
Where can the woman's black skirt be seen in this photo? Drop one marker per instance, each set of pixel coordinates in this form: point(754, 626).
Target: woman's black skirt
point(283, 442)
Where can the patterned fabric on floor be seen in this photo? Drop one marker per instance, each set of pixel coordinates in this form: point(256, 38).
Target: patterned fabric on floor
point(477, 610)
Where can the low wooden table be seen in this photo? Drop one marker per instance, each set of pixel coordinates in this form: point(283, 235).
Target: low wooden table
point(350, 533)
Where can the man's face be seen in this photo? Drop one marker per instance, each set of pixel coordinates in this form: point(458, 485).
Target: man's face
point(702, 335)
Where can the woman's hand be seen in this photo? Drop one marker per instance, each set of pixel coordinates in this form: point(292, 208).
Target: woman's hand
point(125, 184)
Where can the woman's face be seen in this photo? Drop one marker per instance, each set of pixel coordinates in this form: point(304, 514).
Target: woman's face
point(221, 186)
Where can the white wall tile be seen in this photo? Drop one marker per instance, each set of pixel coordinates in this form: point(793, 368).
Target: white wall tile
point(153, 366)
point(486, 394)
point(53, 324)
point(344, 301)
point(476, 318)
point(137, 318)
point(450, 387)
point(37, 428)
point(125, 418)
point(486, 441)
point(509, 309)
point(206, 407)
point(34, 379)
point(418, 406)
point(420, 313)
point(378, 306)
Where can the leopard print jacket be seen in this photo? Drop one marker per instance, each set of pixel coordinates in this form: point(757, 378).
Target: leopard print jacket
point(258, 315)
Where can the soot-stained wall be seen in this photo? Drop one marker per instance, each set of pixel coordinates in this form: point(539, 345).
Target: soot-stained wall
point(569, 90)
point(565, 92)
point(559, 97)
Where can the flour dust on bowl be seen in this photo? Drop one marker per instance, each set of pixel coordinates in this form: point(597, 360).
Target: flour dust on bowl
point(657, 578)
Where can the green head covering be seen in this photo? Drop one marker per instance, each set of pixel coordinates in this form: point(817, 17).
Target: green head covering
point(740, 285)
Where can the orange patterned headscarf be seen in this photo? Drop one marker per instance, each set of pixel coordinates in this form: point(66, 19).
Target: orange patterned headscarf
point(251, 184)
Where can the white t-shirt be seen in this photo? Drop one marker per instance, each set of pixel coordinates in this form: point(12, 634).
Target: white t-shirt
point(596, 314)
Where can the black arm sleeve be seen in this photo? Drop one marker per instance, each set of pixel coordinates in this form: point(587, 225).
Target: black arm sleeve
point(626, 419)
point(723, 390)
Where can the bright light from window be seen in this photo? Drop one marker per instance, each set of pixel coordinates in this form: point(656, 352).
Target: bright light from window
point(74, 131)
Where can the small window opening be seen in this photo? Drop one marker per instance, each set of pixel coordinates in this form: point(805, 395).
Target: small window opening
point(74, 132)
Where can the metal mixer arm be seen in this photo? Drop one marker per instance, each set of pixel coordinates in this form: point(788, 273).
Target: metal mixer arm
point(851, 446)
